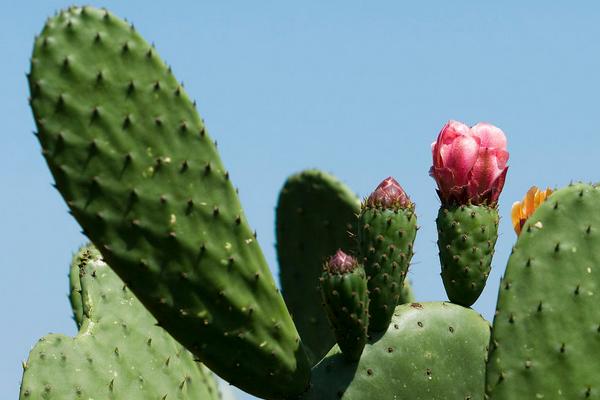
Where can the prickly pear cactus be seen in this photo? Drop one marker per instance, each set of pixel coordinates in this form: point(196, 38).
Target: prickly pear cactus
point(133, 160)
point(431, 351)
point(467, 235)
point(316, 215)
point(119, 352)
point(546, 337)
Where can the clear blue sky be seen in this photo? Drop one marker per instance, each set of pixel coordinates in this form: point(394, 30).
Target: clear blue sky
point(356, 88)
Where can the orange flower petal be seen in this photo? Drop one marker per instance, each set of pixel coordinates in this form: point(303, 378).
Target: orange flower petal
point(521, 210)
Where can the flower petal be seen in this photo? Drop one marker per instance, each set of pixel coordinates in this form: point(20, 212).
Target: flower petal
point(461, 157)
point(489, 136)
point(497, 187)
point(515, 216)
point(484, 172)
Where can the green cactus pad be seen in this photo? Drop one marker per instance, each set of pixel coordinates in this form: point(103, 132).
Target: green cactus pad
point(385, 238)
point(316, 215)
point(346, 300)
point(467, 235)
point(132, 159)
point(546, 337)
point(119, 352)
point(431, 351)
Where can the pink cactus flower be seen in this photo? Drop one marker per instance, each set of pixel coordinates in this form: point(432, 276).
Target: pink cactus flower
point(389, 194)
point(469, 164)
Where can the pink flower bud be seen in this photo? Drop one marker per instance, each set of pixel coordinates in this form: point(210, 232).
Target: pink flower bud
point(341, 263)
point(389, 194)
point(469, 164)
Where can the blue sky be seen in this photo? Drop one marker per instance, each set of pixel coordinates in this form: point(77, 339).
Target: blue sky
point(356, 88)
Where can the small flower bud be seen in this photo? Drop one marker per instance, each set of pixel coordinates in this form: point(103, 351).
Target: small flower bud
point(341, 263)
point(389, 194)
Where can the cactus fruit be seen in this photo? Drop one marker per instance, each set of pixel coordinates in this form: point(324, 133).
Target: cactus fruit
point(430, 351)
point(387, 226)
point(132, 159)
point(467, 235)
point(546, 335)
point(346, 300)
point(316, 215)
point(119, 352)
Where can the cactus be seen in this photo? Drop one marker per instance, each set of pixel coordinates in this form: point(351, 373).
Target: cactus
point(119, 352)
point(547, 325)
point(132, 159)
point(316, 215)
point(345, 298)
point(387, 226)
point(467, 235)
point(430, 351)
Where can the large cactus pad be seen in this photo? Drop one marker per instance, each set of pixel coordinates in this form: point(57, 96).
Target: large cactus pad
point(132, 159)
point(431, 351)
point(546, 337)
point(119, 352)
